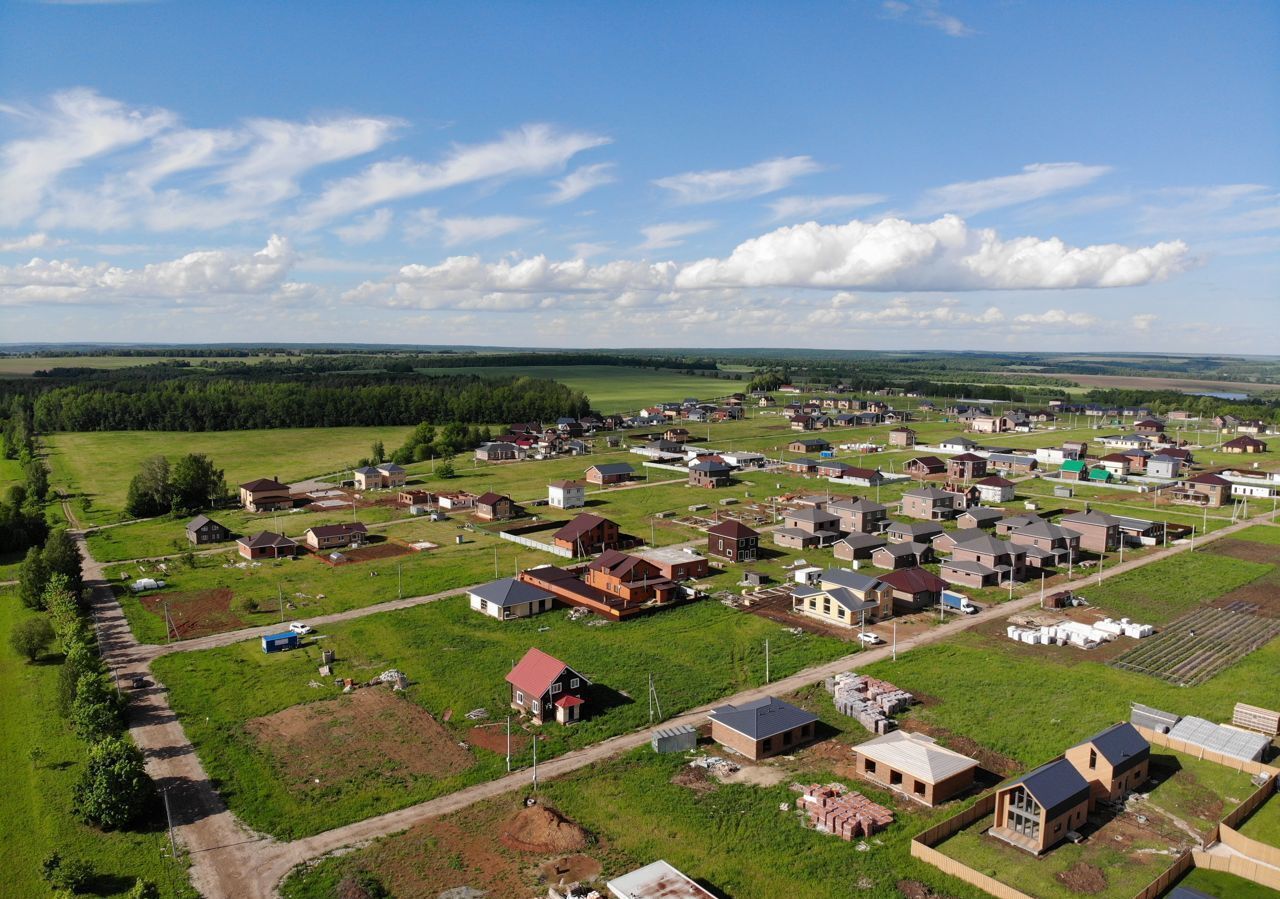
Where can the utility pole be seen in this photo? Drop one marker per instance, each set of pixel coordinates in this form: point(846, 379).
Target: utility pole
point(280, 600)
point(1101, 561)
point(535, 763)
point(399, 582)
point(173, 846)
point(495, 561)
point(508, 744)
point(895, 639)
point(766, 661)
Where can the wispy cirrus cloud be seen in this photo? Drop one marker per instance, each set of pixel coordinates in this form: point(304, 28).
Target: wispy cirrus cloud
point(458, 230)
point(671, 234)
point(580, 181)
point(367, 228)
point(714, 185)
point(37, 241)
point(817, 207)
point(1037, 180)
point(928, 13)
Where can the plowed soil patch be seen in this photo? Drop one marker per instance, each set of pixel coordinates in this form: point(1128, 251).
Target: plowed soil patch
point(195, 613)
point(537, 828)
point(494, 739)
point(370, 733)
point(1084, 879)
point(1247, 550)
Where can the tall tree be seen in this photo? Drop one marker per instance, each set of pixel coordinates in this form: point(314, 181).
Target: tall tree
point(62, 556)
point(33, 574)
point(196, 484)
point(114, 788)
point(149, 491)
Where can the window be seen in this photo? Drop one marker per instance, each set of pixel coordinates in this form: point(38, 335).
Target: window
point(1093, 759)
point(787, 737)
point(869, 766)
point(536, 706)
point(895, 778)
point(573, 683)
point(519, 698)
point(555, 688)
point(484, 605)
point(766, 744)
point(918, 788)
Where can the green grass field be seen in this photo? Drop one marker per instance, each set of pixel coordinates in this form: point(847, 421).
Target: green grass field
point(101, 463)
point(24, 366)
point(1225, 886)
point(1260, 533)
point(456, 659)
point(1264, 824)
point(35, 799)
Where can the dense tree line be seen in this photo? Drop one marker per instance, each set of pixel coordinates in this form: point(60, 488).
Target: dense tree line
point(222, 404)
point(425, 442)
point(22, 521)
point(190, 485)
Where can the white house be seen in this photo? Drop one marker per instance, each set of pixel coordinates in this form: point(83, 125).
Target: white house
point(567, 494)
point(509, 598)
point(995, 489)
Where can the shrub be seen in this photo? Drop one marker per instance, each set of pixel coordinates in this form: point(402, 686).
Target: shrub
point(144, 889)
point(31, 637)
point(114, 788)
point(66, 873)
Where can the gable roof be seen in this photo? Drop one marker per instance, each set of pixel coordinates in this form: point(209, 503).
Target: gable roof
point(923, 529)
point(927, 461)
point(734, 530)
point(267, 538)
point(200, 521)
point(580, 525)
point(762, 718)
point(263, 484)
point(1045, 529)
point(850, 579)
point(618, 563)
point(916, 754)
point(1057, 786)
point(931, 493)
point(490, 498)
point(859, 505)
point(966, 457)
point(509, 592)
point(1121, 745)
point(995, 481)
point(566, 485)
point(613, 468)
point(536, 672)
point(859, 540)
point(338, 530)
point(1093, 517)
point(913, 580)
point(983, 513)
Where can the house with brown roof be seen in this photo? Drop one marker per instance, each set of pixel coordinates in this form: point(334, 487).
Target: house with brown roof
point(676, 563)
point(734, 541)
point(913, 589)
point(1244, 444)
point(566, 494)
point(630, 578)
point(266, 545)
point(1099, 532)
point(202, 529)
point(808, 445)
point(995, 489)
point(932, 504)
point(588, 534)
point(331, 536)
point(902, 437)
point(265, 495)
point(966, 466)
point(1203, 490)
point(495, 507)
point(546, 689)
point(923, 466)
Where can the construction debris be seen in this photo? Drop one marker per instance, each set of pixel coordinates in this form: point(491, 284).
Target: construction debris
point(834, 808)
point(868, 699)
point(714, 765)
point(476, 714)
point(397, 679)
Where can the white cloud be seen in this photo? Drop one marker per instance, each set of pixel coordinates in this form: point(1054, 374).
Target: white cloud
point(1142, 322)
point(366, 229)
point(531, 150)
point(79, 126)
point(1057, 317)
point(580, 181)
point(816, 207)
point(946, 254)
point(587, 249)
point(928, 13)
point(464, 229)
point(195, 276)
point(1034, 181)
point(1212, 209)
point(731, 184)
point(671, 234)
point(37, 241)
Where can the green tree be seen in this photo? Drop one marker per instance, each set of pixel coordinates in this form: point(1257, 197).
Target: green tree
point(69, 874)
point(150, 489)
point(114, 788)
point(97, 710)
point(62, 557)
point(444, 468)
point(378, 452)
point(33, 574)
point(37, 478)
point(196, 484)
point(64, 610)
point(144, 889)
point(80, 659)
point(30, 638)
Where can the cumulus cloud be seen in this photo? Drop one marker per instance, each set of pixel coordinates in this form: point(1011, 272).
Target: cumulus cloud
point(1054, 317)
point(671, 234)
point(37, 241)
point(816, 207)
point(531, 150)
point(196, 275)
point(732, 184)
point(1033, 182)
point(928, 13)
point(366, 229)
point(580, 181)
point(945, 254)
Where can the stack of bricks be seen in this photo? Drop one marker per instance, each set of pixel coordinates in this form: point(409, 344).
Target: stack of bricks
point(833, 808)
point(869, 700)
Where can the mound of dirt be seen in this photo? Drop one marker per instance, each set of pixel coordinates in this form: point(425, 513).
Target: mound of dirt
point(914, 889)
point(570, 869)
point(1083, 878)
point(537, 828)
point(695, 778)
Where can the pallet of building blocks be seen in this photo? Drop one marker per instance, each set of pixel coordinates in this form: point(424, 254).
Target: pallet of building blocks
point(835, 809)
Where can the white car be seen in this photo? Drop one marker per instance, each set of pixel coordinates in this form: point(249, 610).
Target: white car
point(870, 639)
point(299, 628)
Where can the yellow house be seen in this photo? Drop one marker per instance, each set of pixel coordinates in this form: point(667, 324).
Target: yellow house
point(844, 598)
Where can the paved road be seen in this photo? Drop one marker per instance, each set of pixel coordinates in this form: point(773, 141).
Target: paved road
point(229, 860)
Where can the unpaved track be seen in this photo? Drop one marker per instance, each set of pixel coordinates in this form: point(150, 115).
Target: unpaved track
point(228, 860)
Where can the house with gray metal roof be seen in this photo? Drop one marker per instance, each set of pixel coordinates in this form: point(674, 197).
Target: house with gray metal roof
point(844, 598)
point(762, 727)
point(509, 598)
point(1037, 810)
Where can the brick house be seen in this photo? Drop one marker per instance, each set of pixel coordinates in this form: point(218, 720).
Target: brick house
point(266, 545)
point(902, 437)
point(265, 495)
point(588, 534)
point(995, 489)
point(202, 529)
point(857, 546)
point(734, 541)
point(1203, 490)
point(495, 507)
point(916, 766)
point(808, 445)
point(545, 688)
point(709, 473)
point(923, 466)
point(762, 728)
point(629, 578)
point(932, 504)
point(902, 555)
point(676, 563)
point(859, 515)
point(913, 589)
point(1054, 545)
point(1099, 532)
point(610, 473)
point(966, 466)
point(1244, 444)
point(332, 536)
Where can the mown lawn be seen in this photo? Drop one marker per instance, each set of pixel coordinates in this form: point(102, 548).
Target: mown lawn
point(1227, 886)
point(457, 660)
point(1264, 824)
point(1260, 533)
point(35, 798)
point(100, 464)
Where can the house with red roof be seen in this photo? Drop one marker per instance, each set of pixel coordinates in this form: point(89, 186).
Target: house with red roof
point(545, 688)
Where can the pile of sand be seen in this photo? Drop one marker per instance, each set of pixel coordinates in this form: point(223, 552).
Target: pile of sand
point(537, 828)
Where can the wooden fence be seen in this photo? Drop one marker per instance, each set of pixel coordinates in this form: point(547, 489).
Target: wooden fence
point(1239, 866)
point(1158, 739)
point(922, 848)
point(1167, 878)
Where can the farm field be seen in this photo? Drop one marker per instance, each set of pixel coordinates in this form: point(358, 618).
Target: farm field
point(25, 366)
point(35, 792)
point(100, 464)
point(456, 660)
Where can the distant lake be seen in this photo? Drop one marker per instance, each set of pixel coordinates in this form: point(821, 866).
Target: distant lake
point(1222, 395)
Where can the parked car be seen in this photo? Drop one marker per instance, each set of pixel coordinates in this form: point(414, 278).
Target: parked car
point(870, 639)
point(299, 628)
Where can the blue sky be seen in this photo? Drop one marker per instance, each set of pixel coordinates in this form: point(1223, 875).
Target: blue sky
point(900, 174)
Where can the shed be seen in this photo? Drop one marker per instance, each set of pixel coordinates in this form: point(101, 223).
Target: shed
point(1152, 719)
point(280, 642)
point(681, 738)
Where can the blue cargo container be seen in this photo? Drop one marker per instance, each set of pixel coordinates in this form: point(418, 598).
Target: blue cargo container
point(280, 642)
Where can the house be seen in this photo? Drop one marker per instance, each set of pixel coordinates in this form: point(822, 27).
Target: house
point(908, 531)
point(332, 536)
point(265, 495)
point(452, 502)
point(709, 473)
point(806, 527)
point(509, 598)
point(734, 541)
point(1244, 444)
point(412, 499)
point(965, 466)
point(392, 474)
point(1053, 544)
point(1162, 466)
point(1036, 811)
point(266, 545)
point(844, 598)
point(1012, 462)
point(1114, 762)
point(995, 489)
point(902, 437)
point(801, 466)
point(979, 517)
point(859, 515)
point(1074, 470)
point(744, 459)
point(1137, 459)
point(991, 424)
point(913, 589)
point(610, 473)
point(203, 529)
point(1148, 426)
point(1099, 532)
point(762, 728)
point(857, 546)
point(495, 507)
point(588, 534)
point(923, 466)
point(630, 578)
point(902, 555)
point(808, 445)
point(1140, 531)
point(500, 451)
point(932, 504)
point(367, 478)
point(677, 563)
point(915, 765)
point(1203, 490)
point(676, 435)
point(544, 687)
point(1117, 464)
point(657, 880)
point(566, 494)
point(984, 561)
point(959, 444)
point(946, 541)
